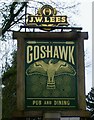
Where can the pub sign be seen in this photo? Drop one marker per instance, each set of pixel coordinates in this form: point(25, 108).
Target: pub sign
point(50, 74)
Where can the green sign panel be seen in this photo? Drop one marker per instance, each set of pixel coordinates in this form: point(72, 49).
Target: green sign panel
point(50, 74)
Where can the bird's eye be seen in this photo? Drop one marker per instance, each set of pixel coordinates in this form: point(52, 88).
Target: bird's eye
point(37, 64)
point(64, 64)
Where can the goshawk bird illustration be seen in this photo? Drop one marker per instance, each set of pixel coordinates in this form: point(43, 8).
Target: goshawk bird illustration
point(51, 70)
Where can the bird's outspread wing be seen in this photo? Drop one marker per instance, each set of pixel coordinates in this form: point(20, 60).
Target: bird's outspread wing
point(64, 68)
point(39, 67)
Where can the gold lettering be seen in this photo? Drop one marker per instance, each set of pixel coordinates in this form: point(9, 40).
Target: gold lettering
point(71, 58)
point(54, 102)
point(63, 52)
point(49, 51)
point(36, 52)
point(56, 54)
point(62, 102)
point(52, 19)
point(58, 19)
point(43, 54)
point(46, 20)
point(63, 19)
point(68, 102)
point(29, 55)
point(37, 102)
point(30, 19)
point(47, 102)
point(65, 102)
point(40, 52)
point(38, 19)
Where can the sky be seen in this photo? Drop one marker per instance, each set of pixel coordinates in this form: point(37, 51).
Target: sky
point(86, 23)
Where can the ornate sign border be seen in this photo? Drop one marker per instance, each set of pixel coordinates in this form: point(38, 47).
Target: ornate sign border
point(46, 17)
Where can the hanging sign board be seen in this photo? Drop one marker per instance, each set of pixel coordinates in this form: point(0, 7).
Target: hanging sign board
point(46, 16)
point(50, 74)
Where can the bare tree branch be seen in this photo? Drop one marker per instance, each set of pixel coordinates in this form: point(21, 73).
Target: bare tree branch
point(12, 16)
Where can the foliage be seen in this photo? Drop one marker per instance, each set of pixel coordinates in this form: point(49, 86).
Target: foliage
point(9, 91)
point(11, 17)
point(90, 101)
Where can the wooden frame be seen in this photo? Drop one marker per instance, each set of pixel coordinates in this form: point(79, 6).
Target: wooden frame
point(79, 37)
